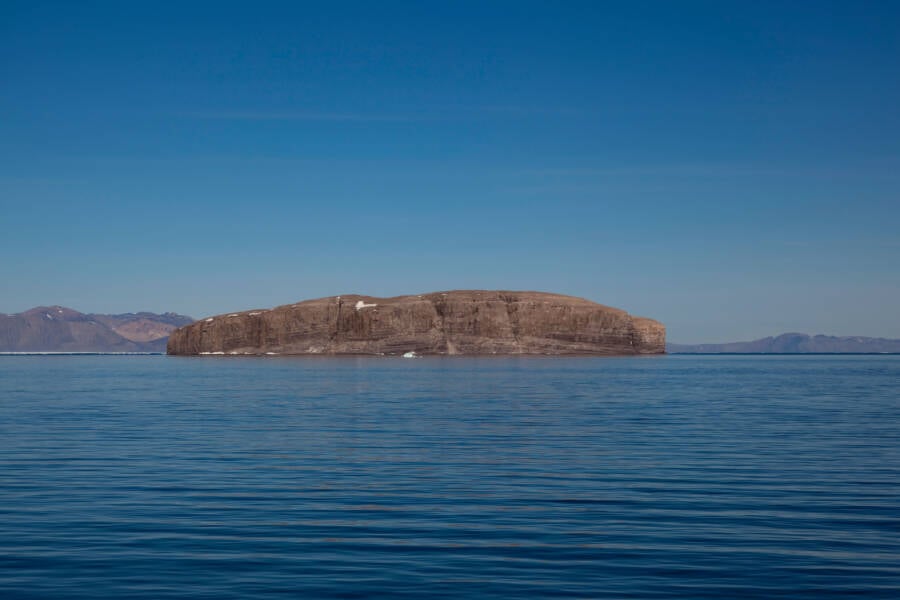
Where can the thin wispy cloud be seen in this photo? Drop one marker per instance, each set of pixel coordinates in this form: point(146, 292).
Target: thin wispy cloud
point(512, 110)
point(232, 115)
point(438, 113)
point(675, 169)
point(879, 167)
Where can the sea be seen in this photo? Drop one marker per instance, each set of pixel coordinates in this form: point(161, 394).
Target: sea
point(656, 477)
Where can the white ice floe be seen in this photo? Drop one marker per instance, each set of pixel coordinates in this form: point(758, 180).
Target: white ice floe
point(410, 355)
point(362, 304)
point(271, 353)
point(212, 353)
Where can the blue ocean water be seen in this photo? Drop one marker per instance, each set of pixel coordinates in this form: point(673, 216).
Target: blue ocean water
point(676, 476)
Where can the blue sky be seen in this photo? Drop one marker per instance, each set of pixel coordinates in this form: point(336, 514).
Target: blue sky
point(731, 169)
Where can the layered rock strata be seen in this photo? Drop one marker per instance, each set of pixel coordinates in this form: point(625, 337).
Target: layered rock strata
point(457, 322)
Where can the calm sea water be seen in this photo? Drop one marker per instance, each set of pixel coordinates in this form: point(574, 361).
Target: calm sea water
point(678, 476)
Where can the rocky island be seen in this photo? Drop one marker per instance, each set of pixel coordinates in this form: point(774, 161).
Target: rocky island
point(455, 322)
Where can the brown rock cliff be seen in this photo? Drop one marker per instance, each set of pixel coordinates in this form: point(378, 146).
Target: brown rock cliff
point(457, 322)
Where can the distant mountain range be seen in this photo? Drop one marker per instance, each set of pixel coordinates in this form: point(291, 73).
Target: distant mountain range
point(61, 329)
point(794, 343)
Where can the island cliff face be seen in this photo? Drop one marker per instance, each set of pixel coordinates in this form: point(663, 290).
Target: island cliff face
point(457, 322)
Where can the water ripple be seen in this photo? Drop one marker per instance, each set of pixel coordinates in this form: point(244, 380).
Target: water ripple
point(157, 477)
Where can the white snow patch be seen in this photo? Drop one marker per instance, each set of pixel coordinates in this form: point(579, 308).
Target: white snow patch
point(361, 304)
point(48, 316)
point(59, 311)
point(233, 315)
point(209, 320)
point(253, 314)
point(410, 355)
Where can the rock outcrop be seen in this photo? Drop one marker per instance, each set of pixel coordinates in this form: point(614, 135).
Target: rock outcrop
point(457, 322)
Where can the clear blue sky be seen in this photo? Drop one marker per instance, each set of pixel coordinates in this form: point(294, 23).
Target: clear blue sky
point(731, 169)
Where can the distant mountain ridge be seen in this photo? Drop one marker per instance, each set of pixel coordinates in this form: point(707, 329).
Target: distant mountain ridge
point(795, 343)
point(61, 329)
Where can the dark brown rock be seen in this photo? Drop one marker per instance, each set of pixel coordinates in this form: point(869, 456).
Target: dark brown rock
point(457, 322)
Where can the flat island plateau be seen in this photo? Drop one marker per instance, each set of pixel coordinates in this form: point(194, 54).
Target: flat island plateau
point(470, 322)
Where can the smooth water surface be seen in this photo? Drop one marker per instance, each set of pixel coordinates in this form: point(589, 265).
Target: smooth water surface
point(677, 476)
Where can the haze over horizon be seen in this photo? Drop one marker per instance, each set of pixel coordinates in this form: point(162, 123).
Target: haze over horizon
point(731, 170)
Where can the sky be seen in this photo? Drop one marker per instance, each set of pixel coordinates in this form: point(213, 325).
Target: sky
point(731, 169)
